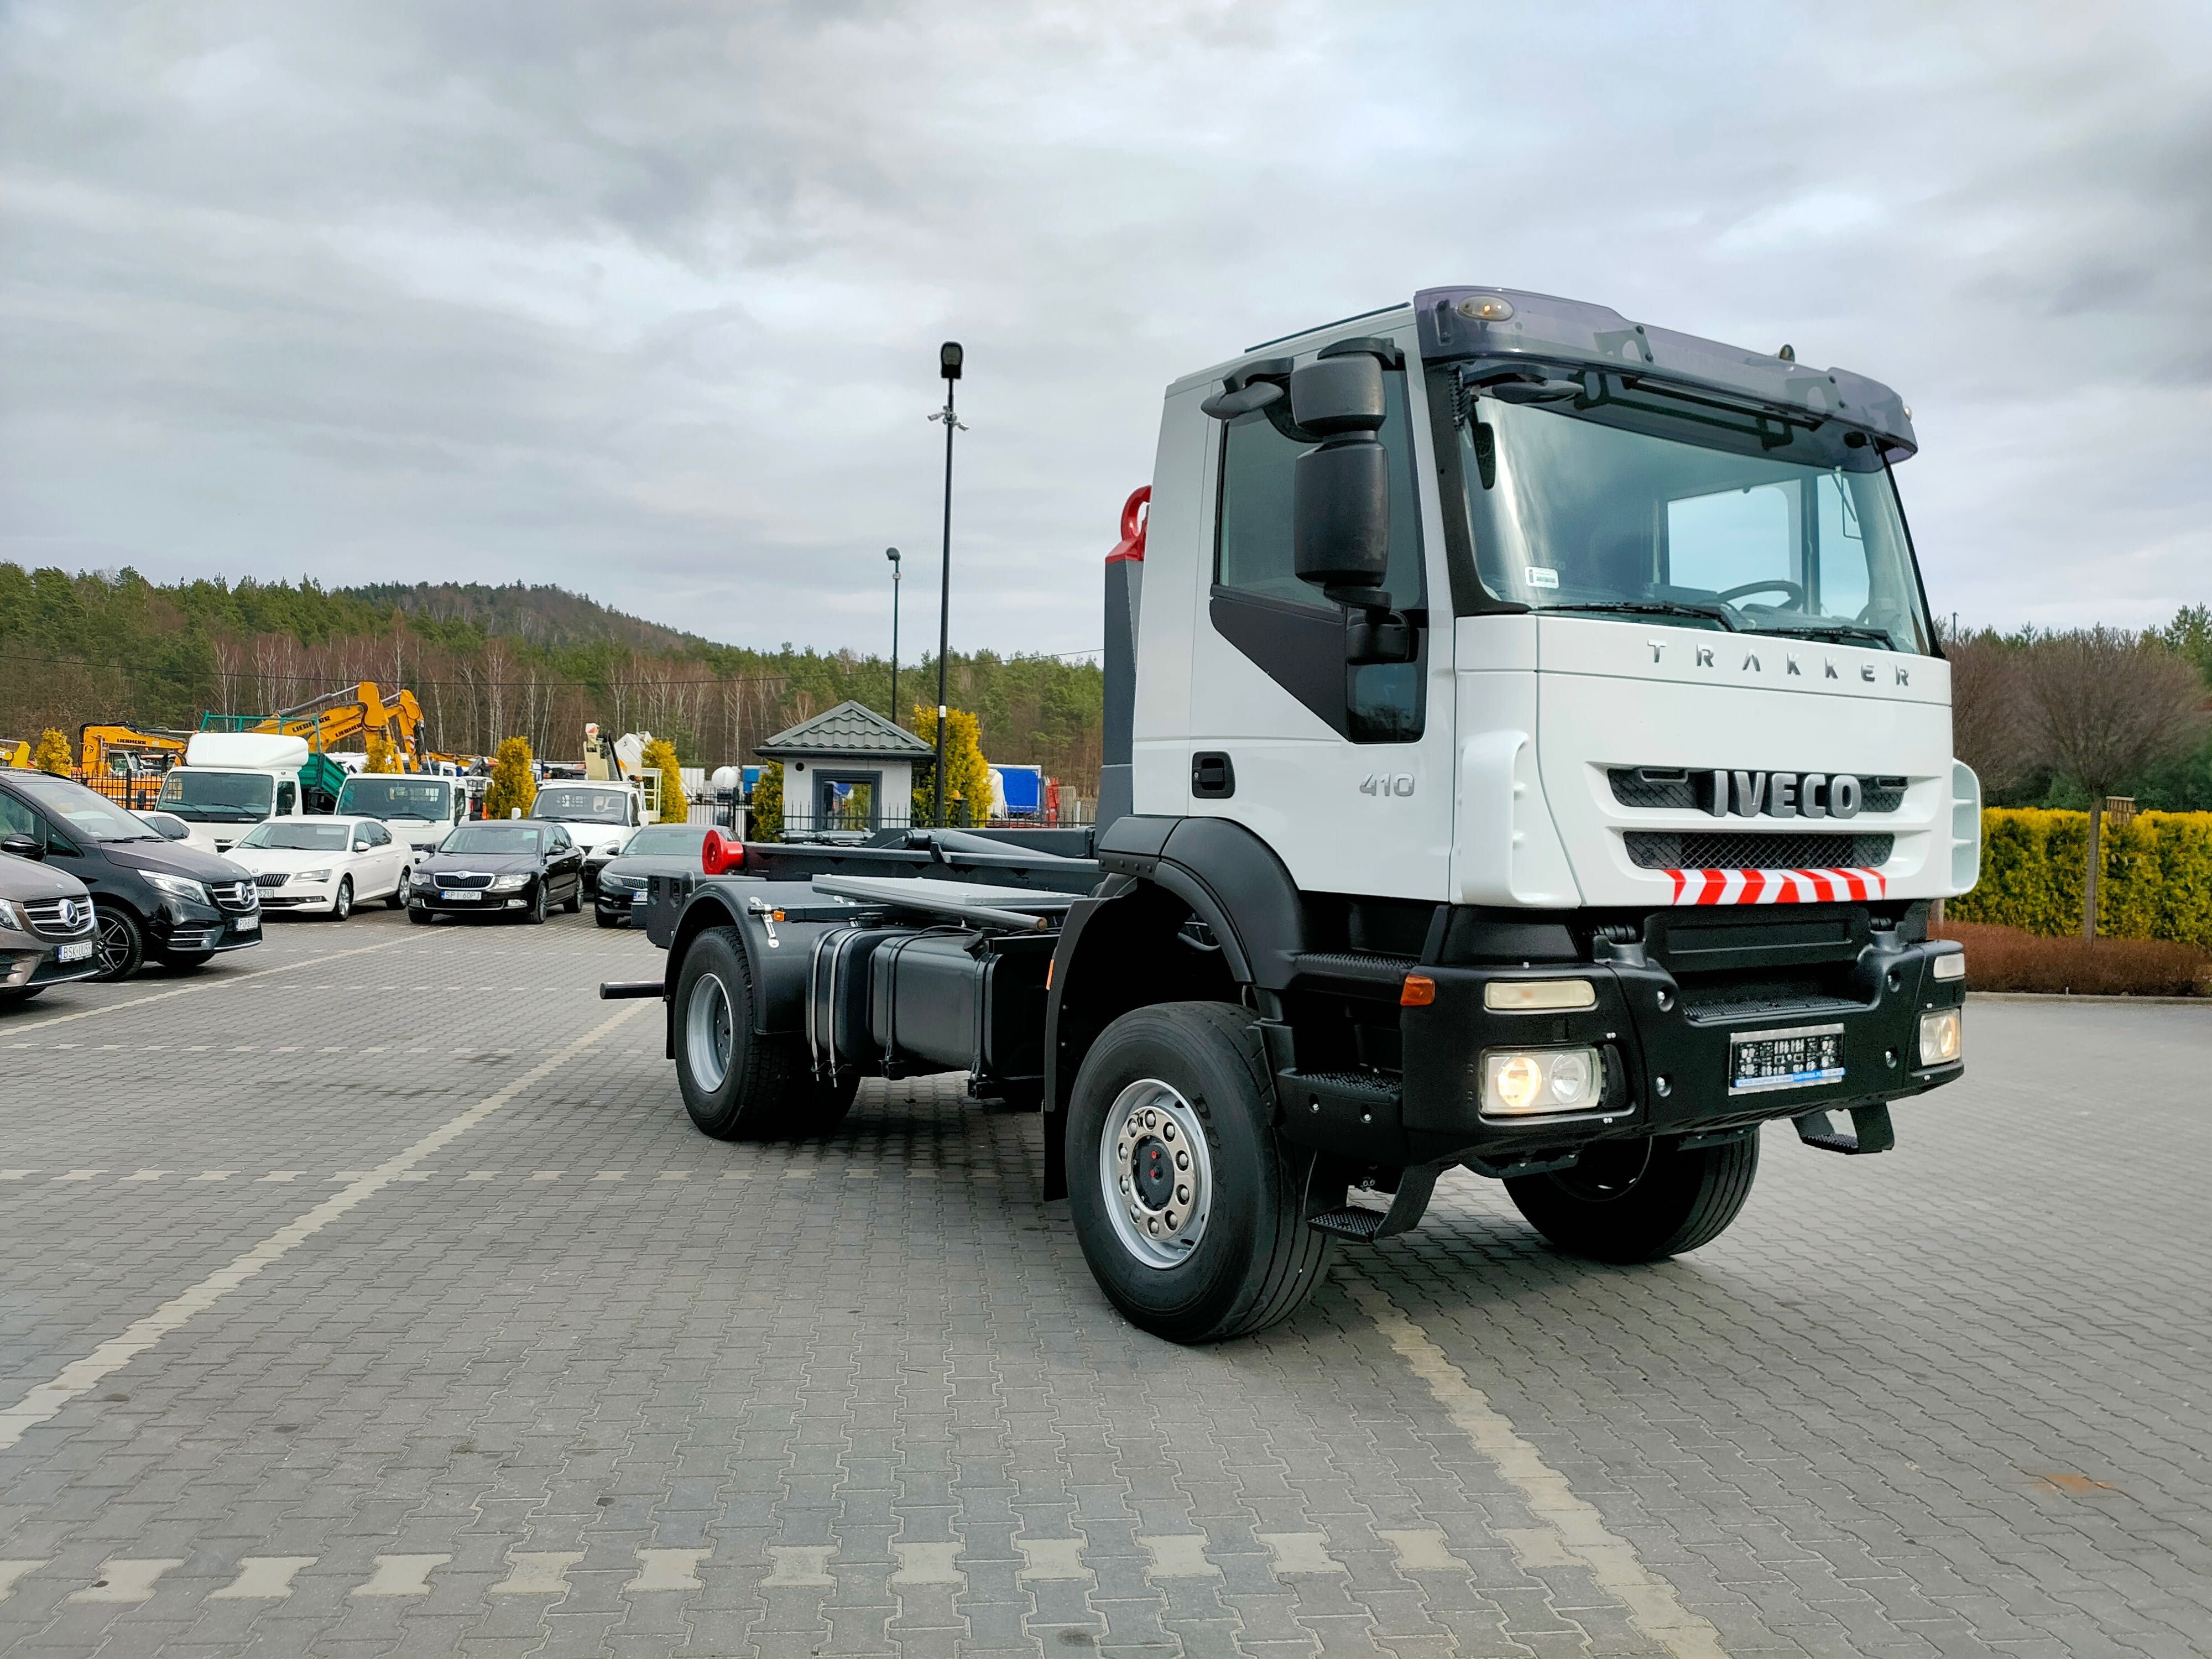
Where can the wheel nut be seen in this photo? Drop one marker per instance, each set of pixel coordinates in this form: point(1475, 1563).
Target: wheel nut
point(1125, 1183)
point(1182, 1194)
point(1168, 1133)
point(1171, 1221)
point(1182, 1160)
point(1152, 1226)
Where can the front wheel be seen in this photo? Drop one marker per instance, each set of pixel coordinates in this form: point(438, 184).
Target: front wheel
point(186, 961)
point(604, 919)
point(1640, 1200)
point(737, 1083)
point(342, 900)
point(120, 944)
point(420, 918)
point(1188, 1205)
point(536, 913)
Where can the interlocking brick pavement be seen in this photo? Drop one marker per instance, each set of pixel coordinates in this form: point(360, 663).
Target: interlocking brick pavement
point(579, 1381)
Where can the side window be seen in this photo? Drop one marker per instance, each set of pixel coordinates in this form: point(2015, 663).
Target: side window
point(1283, 624)
point(16, 818)
point(288, 795)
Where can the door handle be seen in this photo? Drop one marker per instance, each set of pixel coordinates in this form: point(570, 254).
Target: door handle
point(1212, 775)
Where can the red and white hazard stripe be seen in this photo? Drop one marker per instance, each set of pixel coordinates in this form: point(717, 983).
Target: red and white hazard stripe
point(1776, 886)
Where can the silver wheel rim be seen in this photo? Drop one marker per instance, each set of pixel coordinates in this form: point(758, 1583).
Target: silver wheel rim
point(707, 1031)
point(114, 947)
point(1154, 1173)
point(343, 904)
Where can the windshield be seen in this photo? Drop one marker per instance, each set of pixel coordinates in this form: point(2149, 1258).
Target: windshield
point(385, 797)
point(1689, 516)
point(574, 805)
point(493, 838)
point(675, 840)
point(219, 797)
point(81, 810)
point(288, 835)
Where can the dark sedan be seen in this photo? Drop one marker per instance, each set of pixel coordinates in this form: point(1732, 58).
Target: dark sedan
point(517, 867)
point(658, 849)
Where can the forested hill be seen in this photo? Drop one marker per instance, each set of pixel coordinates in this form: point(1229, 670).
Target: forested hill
point(485, 663)
point(541, 613)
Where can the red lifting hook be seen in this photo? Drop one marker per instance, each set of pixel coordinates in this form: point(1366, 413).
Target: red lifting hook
point(1136, 514)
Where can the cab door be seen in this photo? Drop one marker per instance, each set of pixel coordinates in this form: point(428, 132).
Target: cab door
point(1346, 772)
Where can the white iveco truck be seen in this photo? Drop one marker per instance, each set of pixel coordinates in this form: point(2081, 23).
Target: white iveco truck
point(1527, 750)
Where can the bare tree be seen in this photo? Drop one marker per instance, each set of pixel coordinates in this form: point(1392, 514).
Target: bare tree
point(1988, 729)
point(2101, 704)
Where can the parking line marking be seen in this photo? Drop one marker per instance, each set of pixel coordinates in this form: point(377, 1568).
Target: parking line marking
point(1300, 1553)
point(1574, 1524)
point(547, 1175)
point(929, 1563)
point(283, 1176)
point(148, 1175)
point(224, 983)
point(481, 1174)
point(79, 1174)
point(16, 1174)
point(401, 1575)
point(214, 1175)
point(537, 1572)
point(611, 1175)
point(1423, 1549)
point(800, 1566)
point(1178, 1555)
point(673, 1175)
point(1051, 1557)
point(11, 1572)
point(263, 1578)
point(46, 1398)
point(667, 1570)
point(122, 1580)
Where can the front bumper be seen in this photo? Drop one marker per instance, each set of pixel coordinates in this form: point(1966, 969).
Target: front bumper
point(27, 960)
point(619, 904)
point(491, 905)
point(1666, 1041)
point(186, 929)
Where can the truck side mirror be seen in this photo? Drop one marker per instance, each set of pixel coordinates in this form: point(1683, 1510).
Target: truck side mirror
point(1340, 501)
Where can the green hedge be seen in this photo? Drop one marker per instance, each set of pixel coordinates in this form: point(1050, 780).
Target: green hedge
point(2157, 880)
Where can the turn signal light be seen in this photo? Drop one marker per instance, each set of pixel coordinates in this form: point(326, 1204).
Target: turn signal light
point(719, 856)
point(1418, 992)
point(1952, 965)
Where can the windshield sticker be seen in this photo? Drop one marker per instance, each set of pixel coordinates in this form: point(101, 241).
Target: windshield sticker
point(1542, 576)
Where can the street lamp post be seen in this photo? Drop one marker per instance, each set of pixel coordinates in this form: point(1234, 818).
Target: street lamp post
point(948, 365)
point(892, 553)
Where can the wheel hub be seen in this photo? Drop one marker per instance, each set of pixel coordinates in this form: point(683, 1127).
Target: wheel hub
point(1154, 1173)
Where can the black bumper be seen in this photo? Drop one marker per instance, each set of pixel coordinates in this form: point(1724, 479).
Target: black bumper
point(1666, 1052)
point(183, 929)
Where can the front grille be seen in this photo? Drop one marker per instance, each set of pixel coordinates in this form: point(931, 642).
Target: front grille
point(58, 917)
point(236, 895)
point(460, 879)
point(1691, 790)
point(276, 878)
point(1649, 849)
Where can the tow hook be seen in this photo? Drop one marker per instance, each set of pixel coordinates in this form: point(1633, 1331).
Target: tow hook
point(1870, 1130)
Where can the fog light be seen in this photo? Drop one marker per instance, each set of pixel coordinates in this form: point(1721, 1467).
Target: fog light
point(1939, 1037)
point(1951, 965)
point(1529, 996)
point(1528, 1084)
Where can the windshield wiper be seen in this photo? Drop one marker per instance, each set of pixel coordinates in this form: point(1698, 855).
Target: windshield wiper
point(1654, 608)
point(1841, 633)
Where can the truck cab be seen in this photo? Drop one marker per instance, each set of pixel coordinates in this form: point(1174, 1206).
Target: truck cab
point(232, 781)
point(1527, 751)
point(418, 808)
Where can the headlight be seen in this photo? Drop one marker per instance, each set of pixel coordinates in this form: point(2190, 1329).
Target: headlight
point(509, 884)
point(1940, 1037)
point(1531, 1082)
point(179, 887)
point(313, 875)
point(11, 917)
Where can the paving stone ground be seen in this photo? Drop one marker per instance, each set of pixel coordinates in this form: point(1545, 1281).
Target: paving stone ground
point(574, 1380)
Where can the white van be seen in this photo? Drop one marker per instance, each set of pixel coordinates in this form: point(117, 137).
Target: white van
point(598, 814)
point(232, 781)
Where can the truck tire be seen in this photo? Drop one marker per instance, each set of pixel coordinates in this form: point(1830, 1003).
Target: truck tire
point(1189, 1206)
point(737, 1084)
point(1640, 1200)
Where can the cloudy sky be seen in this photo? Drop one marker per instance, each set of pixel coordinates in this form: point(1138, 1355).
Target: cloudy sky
point(645, 298)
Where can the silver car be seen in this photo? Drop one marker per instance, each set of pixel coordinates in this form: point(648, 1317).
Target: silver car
point(47, 927)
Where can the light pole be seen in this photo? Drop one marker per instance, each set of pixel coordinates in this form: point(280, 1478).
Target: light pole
point(892, 553)
point(948, 365)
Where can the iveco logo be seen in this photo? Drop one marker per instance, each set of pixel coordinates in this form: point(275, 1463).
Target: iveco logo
point(1792, 666)
point(1784, 795)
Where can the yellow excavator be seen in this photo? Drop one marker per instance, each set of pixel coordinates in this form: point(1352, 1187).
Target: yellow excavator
point(353, 711)
point(123, 751)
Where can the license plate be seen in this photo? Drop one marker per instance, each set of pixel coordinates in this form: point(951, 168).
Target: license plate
point(76, 952)
point(455, 896)
point(1803, 1057)
point(246, 924)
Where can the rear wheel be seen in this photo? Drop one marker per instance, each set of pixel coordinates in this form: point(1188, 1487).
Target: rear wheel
point(575, 900)
point(737, 1083)
point(1640, 1200)
point(1189, 1206)
point(120, 943)
point(397, 898)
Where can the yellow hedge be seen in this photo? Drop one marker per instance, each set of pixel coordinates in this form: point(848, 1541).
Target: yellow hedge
point(2156, 882)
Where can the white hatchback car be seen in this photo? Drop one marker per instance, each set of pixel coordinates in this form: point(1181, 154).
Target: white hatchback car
point(326, 865)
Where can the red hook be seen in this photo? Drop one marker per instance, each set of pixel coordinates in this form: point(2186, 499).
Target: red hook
point(1136, 514)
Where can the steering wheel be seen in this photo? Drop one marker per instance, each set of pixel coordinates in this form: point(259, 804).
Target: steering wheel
point(1795, 593)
